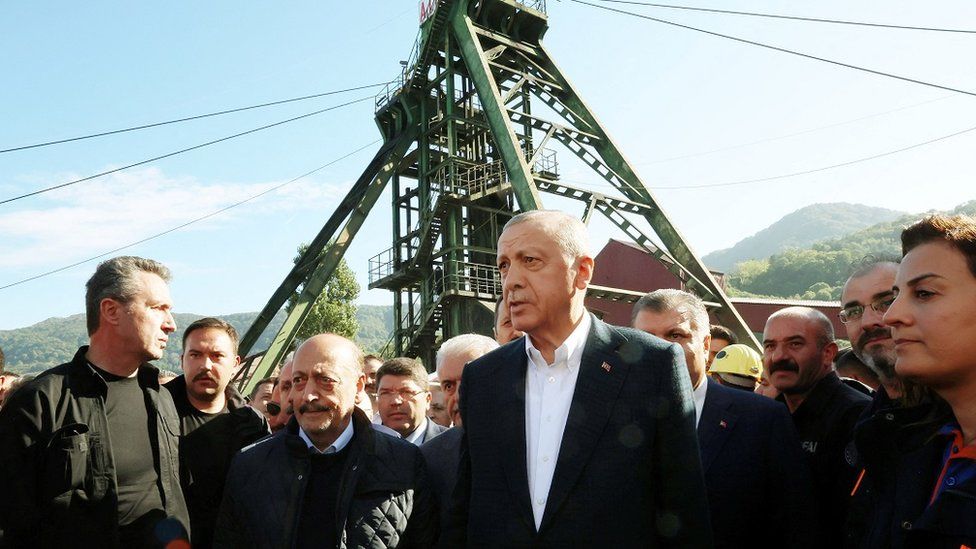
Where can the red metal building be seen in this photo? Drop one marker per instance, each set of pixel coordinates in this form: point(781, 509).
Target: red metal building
point(626, 266)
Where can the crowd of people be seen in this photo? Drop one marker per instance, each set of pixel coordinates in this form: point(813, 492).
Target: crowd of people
point(561, 431)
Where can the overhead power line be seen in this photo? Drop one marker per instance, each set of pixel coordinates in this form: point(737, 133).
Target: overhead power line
point(821, 169)
point(779, 49)
point(789, 135)
point(789, 17)
point(181, 151)
point(187, 119)
point(188, 223)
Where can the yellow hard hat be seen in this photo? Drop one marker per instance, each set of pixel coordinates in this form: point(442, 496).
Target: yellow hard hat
point(738, 359)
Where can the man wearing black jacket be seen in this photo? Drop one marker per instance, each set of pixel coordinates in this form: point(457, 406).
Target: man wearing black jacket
point(89, 449)
point(328, 479)
point(215, 423)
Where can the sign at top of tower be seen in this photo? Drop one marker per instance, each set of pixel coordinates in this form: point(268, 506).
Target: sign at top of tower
point(427, 8)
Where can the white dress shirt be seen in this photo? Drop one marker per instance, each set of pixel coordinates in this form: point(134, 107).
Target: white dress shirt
point(417, 436)
point(549, 392)
point(699, 395)
point(340, 442)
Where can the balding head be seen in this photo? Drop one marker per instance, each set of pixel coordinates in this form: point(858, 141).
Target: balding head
point(328, 373)
point(818, 322)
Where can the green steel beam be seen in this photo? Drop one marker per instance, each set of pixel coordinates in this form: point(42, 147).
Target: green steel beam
point(355, 206)
point(474, 58)
point(635, 190)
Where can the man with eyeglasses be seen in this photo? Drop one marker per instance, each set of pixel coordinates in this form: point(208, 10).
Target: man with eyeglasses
point(329, 478)
point(403, 398)
point(865, 299)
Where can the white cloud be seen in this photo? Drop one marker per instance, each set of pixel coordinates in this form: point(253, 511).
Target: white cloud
point(96, 216)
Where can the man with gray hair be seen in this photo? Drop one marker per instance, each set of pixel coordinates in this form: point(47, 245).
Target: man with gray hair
point(89, 449)
point(750, 450)
point(798, 356)
point(574, 415)
point(443, 452)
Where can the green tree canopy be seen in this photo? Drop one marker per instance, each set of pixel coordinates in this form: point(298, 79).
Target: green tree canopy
point(334, 310)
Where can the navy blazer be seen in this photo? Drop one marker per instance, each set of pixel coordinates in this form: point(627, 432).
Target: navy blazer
point(628, 472)
point(758, 480)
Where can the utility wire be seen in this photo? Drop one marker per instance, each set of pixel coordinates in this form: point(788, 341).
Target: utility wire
point(188, 223)
point(779, 49)
point(160, 157)
point(790, 17)
point(789, 135)
point(187, 119)
point(821, 169)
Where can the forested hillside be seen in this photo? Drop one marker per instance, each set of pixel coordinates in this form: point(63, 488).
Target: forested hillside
point(55, 340)
point(799, 230)
point(819, 271)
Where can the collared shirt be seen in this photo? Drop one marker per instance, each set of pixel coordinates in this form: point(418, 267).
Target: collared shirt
point(417, 436)
point(339, 444)
point(549, 392)
point(699, 394)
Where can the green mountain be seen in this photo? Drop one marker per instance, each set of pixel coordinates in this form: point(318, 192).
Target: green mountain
point(819, 271)
point(50, 342)
point(800, 229)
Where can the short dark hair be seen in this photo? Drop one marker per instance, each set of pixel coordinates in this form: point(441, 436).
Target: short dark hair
point(116, 279)
point(847, 361)
point(959, 231)
point(371, 357)
point(215, 323)
point(869, 263)
point(407, 367)
point(717, 331)
point(254, 391)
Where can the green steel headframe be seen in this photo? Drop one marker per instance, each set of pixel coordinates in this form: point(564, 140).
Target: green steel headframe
point(466, 129)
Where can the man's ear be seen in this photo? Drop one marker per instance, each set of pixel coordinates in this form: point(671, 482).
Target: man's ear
point(110, 311)
point(584, 272)
point(829, 353)
point(708, 343)
point(237, 363)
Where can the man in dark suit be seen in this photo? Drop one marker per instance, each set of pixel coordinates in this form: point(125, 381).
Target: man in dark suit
point(580, 434)
point(403, 398)
point(750, 451)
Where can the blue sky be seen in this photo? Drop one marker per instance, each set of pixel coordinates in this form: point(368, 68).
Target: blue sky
point(667, 95)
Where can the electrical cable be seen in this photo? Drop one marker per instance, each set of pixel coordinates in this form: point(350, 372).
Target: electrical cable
point(191, 222)
point(789, 17)
point(779, 49)
point(187, 119)
point(188, 149)
point(815, 170)
point(789, 135)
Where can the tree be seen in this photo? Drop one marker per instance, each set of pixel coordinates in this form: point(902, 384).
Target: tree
point(334, 310)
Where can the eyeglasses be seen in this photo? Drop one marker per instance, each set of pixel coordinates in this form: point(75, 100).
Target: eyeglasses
point(404, 394)
point(855, 312)
point(273, 408)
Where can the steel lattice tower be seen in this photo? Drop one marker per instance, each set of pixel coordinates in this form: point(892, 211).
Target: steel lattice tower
point(467, 129)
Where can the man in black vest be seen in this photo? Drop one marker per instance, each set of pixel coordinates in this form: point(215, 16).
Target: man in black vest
point(215, 423)
point(327, 479)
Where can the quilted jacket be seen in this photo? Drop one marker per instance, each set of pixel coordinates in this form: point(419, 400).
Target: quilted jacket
point(384, 496)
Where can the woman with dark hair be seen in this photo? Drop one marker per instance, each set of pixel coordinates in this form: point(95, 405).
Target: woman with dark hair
point(918, 488)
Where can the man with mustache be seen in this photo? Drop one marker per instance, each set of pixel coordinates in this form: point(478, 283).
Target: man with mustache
point(215, 422)
point(798, 355)
point(329, 478)
point(89, 449)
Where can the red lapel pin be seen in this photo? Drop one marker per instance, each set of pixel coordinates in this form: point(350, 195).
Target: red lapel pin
point(605, 366)
point(723, 424)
